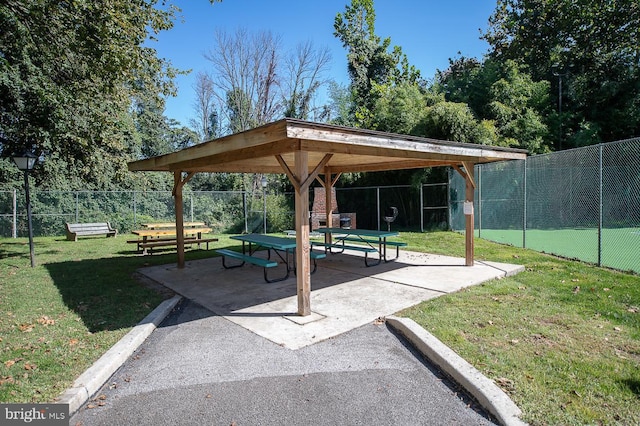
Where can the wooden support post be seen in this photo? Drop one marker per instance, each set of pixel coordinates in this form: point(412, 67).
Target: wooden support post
point(303, 262)
point(178, 184)
point(177, 196)
point(469, 214)
point(328, 202)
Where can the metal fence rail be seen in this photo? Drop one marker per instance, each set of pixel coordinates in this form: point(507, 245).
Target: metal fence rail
point(582, 203)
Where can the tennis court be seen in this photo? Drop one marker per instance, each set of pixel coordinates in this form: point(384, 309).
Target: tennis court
point(620, 247)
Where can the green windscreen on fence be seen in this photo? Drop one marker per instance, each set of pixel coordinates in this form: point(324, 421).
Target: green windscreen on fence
point(582, 203)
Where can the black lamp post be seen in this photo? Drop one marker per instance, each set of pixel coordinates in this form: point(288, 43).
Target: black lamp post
point(556, 72)
point(25, 162)
point(263, 181)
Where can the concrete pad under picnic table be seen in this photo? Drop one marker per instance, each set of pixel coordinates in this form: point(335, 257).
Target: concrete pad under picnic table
point(345, 294)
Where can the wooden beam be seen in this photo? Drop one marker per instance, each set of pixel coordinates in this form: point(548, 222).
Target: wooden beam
point(303, 275)
point(178, 184)
point(470, 172)
point(305, 185)
point(469, 217)
point(320, 180)
point(292, 178)
point(335, 179)
point(238, 155)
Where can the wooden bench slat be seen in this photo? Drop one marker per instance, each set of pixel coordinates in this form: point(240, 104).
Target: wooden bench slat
point(74, 230)
point(170, 242)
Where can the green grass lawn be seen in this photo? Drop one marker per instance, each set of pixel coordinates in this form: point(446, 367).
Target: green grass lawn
point(58, 318)
point(561, 338)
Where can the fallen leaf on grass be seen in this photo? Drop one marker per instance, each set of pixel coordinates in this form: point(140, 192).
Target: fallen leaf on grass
point(7, 379)
point(505, 383)
point(28, 366)
point(45, 320)
point(632, 309)
point(73, 342)
point(617, 328)
point(26, 328)
point(11, 362)
point(576, 289)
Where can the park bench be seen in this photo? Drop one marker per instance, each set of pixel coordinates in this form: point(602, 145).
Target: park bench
point(75, 230)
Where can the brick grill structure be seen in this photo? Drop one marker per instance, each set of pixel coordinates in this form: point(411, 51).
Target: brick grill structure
point(319, 210)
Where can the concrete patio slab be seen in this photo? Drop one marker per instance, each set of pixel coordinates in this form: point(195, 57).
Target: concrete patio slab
point(345, 293)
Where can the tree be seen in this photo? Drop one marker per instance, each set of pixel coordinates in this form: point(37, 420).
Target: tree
point(513, 109)
point(244, 78)
point(369, 60)
point(68, 73)
point(306, 68)
point(592, 46)
point(206, 123)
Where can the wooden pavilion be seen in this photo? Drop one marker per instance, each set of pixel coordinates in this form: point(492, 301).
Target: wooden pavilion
point(304, 151)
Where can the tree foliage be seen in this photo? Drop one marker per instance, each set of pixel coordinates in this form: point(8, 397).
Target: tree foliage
point(69, 74)
point(593, 46)
point(371, 63)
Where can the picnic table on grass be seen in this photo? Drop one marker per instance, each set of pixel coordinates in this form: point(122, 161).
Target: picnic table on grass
point(367, 241)
point(283, 247)
point(165, 235)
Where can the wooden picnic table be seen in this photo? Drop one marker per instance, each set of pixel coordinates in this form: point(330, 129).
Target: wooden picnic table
point(369, 241)
point(164, 237)
point(162, 225)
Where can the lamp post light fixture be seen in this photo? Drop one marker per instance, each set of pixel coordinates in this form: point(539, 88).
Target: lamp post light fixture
point(25, 163)
point(263, 181)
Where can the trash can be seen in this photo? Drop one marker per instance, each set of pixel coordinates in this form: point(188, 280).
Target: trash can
point(345, 222)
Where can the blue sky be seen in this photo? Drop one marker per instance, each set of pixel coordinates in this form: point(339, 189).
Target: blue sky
point(429, 32)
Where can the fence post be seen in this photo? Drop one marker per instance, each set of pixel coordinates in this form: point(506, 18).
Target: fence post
point(135, 209)
point(524, 204)
point(378, 204)
point(421, 208)
point(600, 204)
point(479, 181)
point(191, 199)
point(244, 205)
point(77, 220)
point(14, 231)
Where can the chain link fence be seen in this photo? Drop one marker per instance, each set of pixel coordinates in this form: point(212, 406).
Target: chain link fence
point(582, 203)
point(224, 211)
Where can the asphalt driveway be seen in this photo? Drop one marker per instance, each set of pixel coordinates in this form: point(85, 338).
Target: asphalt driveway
point(199, 368)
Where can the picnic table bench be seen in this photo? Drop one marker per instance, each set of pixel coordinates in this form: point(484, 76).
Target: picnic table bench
point(75, 230)
point(277, 244)
point(165, 236)
point(372, 242)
